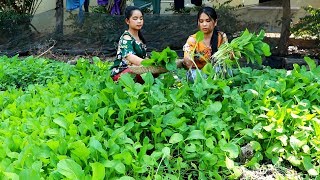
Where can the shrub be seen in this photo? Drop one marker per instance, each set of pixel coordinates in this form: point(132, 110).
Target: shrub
point(308, 25)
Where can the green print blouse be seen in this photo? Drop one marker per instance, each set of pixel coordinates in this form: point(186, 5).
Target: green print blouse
point(126, 47)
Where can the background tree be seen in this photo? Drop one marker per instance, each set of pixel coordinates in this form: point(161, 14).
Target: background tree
point(308, 25)
point(16, 17)
point(59, 17)
point(285, 29)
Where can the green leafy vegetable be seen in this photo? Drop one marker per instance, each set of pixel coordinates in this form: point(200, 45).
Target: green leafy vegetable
point(166, 58)
point(248, 45)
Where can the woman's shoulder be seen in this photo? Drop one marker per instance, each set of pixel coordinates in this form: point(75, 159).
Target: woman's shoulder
point(192, 38)
point(222, 34)
point(126, 36)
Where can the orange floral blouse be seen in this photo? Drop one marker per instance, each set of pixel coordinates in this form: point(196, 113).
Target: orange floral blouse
point(202, 52)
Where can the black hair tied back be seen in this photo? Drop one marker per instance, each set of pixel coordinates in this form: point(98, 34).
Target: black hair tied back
point(128, 13)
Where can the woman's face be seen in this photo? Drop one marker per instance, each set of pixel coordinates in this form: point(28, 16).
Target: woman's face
point(206, 24)
point(136, 20)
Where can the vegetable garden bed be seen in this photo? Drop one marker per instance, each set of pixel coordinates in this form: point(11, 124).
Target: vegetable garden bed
point(72, 121)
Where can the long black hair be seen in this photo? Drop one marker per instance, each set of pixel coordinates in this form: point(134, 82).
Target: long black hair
point(209, 11)
point(128, 13)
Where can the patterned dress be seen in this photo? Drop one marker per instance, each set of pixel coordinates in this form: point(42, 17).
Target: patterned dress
point(202, 52)
point(126, 47)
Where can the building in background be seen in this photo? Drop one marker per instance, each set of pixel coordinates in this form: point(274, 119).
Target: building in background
point(47, 5)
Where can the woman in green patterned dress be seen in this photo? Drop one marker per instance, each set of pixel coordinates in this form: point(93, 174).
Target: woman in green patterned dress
point(131, 48)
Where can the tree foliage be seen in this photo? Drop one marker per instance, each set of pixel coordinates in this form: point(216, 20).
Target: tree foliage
point(20, 6)
point(308, 25)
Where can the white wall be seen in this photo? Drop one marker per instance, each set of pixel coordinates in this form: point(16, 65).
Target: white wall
point(47, 5)
point(51, 4)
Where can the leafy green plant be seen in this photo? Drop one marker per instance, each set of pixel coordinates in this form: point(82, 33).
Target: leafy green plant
point(82, 125)
point(166, 58)
point(309, 24)
point(248, 45)
point(16, 16)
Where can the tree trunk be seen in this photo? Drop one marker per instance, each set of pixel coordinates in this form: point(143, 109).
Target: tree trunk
point(59, 17)
point(285, 29)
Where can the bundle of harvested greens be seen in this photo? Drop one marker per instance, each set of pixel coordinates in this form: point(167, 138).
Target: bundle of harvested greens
point(166, 59)
point(248, 45)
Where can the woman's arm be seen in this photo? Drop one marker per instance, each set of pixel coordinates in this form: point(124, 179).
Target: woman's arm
point(129, 52)
point(134, 59)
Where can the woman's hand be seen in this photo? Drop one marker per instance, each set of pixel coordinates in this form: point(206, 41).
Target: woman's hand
point(187, 62)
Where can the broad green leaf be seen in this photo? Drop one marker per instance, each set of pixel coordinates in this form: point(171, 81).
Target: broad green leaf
point(270, 127)
point(155, 55)
point(295, 143)
point(166, 152)
point(250, 47)
point(261, 34)
point(94, 143)
point(110, 164)
point(170, 176)
point(229, 163)
point(98, 171)
point(61, 122)
point(311, 63)
point(29, 174)
point(54, 145)
point(283, 138)
point(293, 159)
point(237, 172)
point(156, 155)
point(70, 169)
point(157, 177)
point(213, 108)
point(231, 148)
point(254, 92)
point(255, 145)
point(11, 176)
point(199, 36)
point(175, 138)
point(307, 163)
point(217, 105)
point(209, 142)
point(148, 62)
point(196, 134)
point(120, 167)
point(306, 149)
point(208, 69)
point(266, 49)
point(273, 151)
point(148, 78)
point(126, 178)
point(190, 148)
point(126, 81)
point(79, 149)
point(127, 157)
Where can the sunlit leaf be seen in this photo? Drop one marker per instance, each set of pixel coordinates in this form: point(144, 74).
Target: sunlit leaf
point(98, 170)
point(308, 165)
point(229, 163)
point(166, 152)
point(175, 138)
point(70, 169)
point(199, 36)
point(196, 134)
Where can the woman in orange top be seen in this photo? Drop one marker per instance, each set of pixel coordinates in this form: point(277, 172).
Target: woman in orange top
point(207, 21)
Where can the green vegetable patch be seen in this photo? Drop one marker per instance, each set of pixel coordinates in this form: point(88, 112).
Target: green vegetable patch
point(74, 122)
